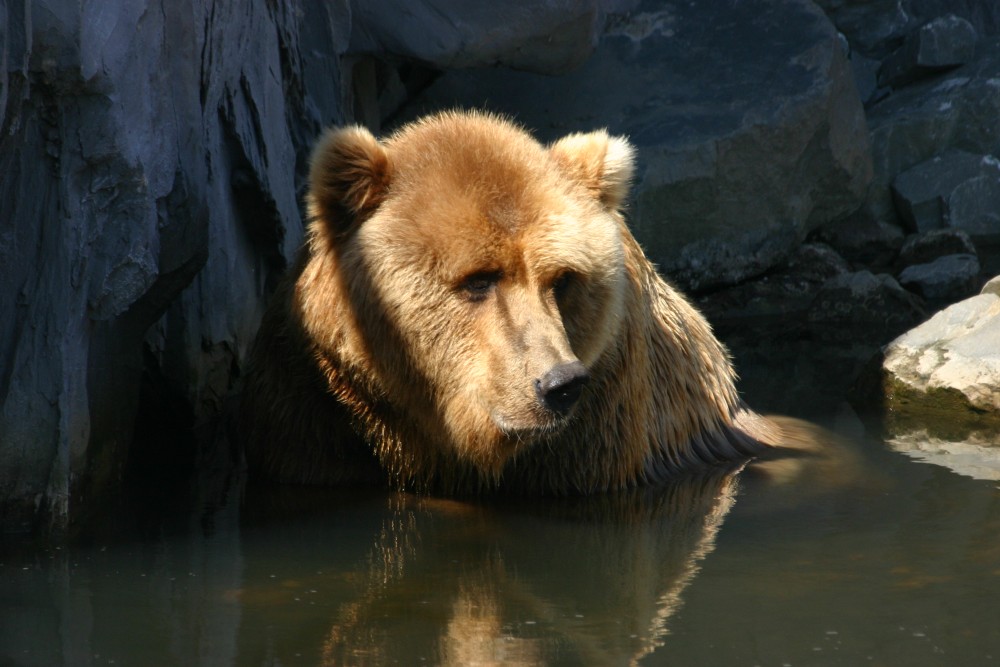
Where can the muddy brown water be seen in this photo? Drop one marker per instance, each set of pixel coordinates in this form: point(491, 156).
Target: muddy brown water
point(861, 557)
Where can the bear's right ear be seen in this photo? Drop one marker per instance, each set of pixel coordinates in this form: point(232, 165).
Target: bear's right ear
point(603, 164)
point(348, 178)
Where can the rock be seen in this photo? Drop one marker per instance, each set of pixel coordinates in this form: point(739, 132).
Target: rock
point(923, 120)
point(865, 305)
point(947, 41)
point(816, 263)
point(974, 205)
point(944, 375)
point(734, 174)
point(551, 37)
point(956, 189)
point(875, 27)
point(785, 292)
point(984, 15)
point(147, 141)
point(947, 278)
point(862, 241)
point(865, 76)
point(992, 286)
point(926, 247)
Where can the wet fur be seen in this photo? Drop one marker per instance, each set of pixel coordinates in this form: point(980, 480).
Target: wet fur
point(369, 364)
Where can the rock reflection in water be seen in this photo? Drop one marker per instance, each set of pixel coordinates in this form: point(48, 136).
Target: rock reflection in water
point(586, 580)
point(976, 455)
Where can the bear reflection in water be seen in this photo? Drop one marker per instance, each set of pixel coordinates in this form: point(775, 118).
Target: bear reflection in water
point(471, 317)
point(585, 580)
point(591, 580)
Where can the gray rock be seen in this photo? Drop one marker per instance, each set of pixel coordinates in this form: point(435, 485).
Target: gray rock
point(916, 123)
point(861, 240)
point(955, 188)
point(947, 278)
point(947, 371)
point(148, 141)
point(787, 291)
point(552, 36)
point(926, 247)
point(974, 205)
point(947, 41)
point(866, 305)
point(874, 27)
point(984, 15)
point(734, 174)
point(816, 263)
point(865, 76)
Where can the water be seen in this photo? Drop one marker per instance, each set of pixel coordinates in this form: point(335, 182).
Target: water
point(861, 557)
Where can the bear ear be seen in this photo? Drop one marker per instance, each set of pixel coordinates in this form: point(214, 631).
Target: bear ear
point(601, 163)
point(348, 178)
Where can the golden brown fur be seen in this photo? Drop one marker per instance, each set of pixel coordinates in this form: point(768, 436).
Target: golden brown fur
point(447, 269)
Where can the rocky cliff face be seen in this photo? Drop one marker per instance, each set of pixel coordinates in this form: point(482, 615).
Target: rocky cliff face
point(152, 154)
point(147, 193)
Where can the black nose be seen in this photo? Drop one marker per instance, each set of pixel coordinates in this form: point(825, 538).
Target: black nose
point(560, 388)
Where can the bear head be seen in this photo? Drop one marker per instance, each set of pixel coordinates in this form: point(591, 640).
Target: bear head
point(465, 277)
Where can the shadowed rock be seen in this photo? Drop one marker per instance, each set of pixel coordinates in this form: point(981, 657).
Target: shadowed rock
point(861, 240)
point(923, 248)
point(947, 41)
point(141, 151)
point(959, 110)
point(871, 305)
point(946, 278)
point(551, 37)
point(954, 189)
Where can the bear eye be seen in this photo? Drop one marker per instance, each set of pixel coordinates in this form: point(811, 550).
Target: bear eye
point(477, 286)
point(561, 285)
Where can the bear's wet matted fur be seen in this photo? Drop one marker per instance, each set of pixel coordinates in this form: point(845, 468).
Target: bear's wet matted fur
point(471, 312)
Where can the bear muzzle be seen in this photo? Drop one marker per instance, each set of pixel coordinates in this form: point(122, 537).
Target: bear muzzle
point(560, 388)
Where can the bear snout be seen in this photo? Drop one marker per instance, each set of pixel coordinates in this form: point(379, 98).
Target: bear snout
point(560, 388)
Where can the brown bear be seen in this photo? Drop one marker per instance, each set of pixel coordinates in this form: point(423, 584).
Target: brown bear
point(470, 312)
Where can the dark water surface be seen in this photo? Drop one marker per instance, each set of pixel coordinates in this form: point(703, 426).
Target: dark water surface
point(861, 557)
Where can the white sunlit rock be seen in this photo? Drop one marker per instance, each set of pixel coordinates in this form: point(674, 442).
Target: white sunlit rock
point(958, 349)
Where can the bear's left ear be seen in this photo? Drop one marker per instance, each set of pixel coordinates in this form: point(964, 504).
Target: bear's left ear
point(601, 163)
point(348, 179)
